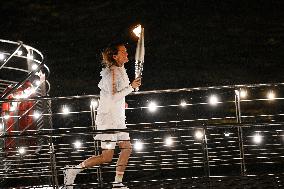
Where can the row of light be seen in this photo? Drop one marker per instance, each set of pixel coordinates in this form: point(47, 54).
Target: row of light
point(168, 141)
point(152, 106)
point(36, 115)
point(257, 138)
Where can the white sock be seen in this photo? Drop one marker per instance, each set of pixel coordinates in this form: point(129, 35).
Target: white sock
point(118, 178)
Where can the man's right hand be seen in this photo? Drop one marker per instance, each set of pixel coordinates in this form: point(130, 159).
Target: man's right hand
point(136, 83)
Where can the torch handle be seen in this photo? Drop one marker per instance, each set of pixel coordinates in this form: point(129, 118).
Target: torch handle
point(138, 77)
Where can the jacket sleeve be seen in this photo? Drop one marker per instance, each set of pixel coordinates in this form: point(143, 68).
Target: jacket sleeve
point(121, 86)
point(121, 94)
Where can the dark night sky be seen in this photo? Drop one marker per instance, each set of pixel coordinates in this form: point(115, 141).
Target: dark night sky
point(188, 43)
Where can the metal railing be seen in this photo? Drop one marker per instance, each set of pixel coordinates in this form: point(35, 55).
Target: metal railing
point(181, 137)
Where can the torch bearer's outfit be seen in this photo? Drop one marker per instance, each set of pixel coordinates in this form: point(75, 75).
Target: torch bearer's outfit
point(114, 85)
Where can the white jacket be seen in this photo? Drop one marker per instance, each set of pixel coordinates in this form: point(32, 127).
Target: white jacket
point(111, 109)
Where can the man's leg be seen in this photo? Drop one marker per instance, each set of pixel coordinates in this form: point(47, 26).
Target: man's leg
point(126, 149)
point(105, 157)
point(71, 172)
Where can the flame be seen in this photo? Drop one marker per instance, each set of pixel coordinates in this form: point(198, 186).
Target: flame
point(137, 30)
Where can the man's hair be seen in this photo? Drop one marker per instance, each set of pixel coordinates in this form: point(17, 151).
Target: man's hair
point(108, 52)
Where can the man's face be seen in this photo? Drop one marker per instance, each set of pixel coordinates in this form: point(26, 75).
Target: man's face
point(121, 57)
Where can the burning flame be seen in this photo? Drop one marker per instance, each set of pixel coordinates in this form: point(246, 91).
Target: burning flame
point(137, 30)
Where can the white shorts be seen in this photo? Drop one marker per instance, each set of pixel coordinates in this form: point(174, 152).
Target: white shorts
point(109, 141)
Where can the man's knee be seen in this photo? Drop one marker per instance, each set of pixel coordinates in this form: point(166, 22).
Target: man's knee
point(127, 150)
point(107, 157)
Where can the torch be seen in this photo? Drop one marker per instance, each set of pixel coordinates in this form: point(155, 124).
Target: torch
point(140, 52)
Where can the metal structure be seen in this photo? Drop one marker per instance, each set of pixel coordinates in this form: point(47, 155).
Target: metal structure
point(22, 76)
point(212, 159)
point(207, 137)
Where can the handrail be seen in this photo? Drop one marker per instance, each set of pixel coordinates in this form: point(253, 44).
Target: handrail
point(40, 66)
point(19, 84)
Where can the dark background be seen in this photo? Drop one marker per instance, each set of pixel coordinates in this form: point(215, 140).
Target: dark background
point(188, 43)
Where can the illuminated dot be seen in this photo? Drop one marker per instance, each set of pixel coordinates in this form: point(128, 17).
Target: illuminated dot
point(243, 93)
point(65, 110)
point(21, 150)
point(213, 100)
point(152, 106)
point(2, 56)
point(34, 67)
point(32, 90)
point(138, 145)
point(271, 95)
point(257, 138)
point(77, 144)
point(183, 103)
point(37, 82)
point(94, 103)
point(36, 114)
point(169, 141)
point(19, 53)
point(198, 134)
point(227, 134)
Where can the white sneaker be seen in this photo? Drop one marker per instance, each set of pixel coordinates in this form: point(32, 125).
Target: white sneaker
point(70, 174)
point(119, 185)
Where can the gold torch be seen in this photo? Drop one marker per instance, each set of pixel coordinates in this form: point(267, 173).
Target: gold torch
point(140, 52)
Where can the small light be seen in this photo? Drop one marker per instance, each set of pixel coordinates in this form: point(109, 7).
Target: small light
point(169, 141)
point(36, 115)
point(213, 100)
point(138, 146)
point(227, 134)
point(34, 67)
point(152, 106)
point(32, 90)
point(19, 53)
point(65, 110)
point(243, 93)
point(94, 103)
point(28, 92)
point(271, 95)
point(2, 56)
point(183, 103)
point(6, 116)
point(30, 56)
point(199, 135)
point(77, 144)
point(37, 82)
point(257, 138)
point(21, 150)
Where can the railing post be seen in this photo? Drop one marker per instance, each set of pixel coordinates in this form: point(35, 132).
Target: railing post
point(53, 164)
point(205, 152)
point(93, 108)
point(240, 131)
